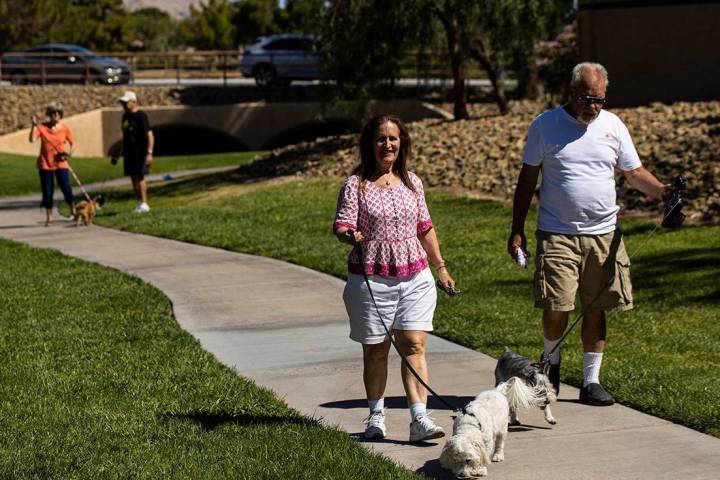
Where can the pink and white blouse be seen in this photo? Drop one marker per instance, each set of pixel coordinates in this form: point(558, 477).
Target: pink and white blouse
point(390, 219)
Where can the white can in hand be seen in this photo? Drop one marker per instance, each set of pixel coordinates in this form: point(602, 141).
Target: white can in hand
point(520, 258)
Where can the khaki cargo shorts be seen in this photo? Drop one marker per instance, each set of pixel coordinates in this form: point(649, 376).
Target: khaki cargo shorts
point(590, 265)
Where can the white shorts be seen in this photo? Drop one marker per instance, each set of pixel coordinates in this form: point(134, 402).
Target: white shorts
point(406, 303)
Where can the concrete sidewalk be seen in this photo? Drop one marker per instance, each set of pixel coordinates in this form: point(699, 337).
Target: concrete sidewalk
point(285, 327)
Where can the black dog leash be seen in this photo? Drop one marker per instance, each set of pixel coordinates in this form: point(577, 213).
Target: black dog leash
point(672, 218)
point(361, 256)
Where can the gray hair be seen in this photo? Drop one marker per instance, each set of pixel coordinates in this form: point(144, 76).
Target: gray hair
point(54, 107)
point(577, 73)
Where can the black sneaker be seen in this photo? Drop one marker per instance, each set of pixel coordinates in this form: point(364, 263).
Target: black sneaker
point(594, 394)
point(553, 374)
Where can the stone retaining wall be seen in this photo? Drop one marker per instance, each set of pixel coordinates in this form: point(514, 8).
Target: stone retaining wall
point(20, 102)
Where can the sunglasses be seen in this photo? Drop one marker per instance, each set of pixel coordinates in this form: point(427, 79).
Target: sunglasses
point(588, 99)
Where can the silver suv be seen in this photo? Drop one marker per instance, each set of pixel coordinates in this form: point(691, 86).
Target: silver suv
point(280, 59)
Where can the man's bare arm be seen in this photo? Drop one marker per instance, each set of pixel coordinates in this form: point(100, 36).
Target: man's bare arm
point(643, 180)
point(521, 204)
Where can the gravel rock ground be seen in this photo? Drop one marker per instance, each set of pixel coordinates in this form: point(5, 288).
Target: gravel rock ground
point(483, 155)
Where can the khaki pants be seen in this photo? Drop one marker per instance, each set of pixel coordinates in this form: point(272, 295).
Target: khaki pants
point(595, 266)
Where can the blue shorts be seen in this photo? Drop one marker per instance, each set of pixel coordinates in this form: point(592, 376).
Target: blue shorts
point(135, 167)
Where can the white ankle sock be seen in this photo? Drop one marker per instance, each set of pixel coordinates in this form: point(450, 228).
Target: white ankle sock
point(417, 409)
point(591, 367)
point(549, 345)
point(376, 405)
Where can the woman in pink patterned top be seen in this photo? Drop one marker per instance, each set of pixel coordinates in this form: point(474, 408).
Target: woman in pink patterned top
point(382, 210)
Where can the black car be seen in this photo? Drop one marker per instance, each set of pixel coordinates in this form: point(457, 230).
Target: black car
point(62, 63)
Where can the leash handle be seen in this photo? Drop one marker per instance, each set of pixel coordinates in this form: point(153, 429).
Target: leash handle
point(361, 257)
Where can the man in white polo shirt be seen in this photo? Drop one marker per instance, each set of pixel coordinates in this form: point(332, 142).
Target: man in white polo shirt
point(577, 147)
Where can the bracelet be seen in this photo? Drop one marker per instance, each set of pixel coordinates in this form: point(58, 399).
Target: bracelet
point(442, 265)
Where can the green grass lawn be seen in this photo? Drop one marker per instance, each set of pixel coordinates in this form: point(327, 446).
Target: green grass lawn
point(97, 380)
point(662, 357)
point(20, 174)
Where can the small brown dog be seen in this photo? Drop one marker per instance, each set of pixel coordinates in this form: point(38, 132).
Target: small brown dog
point(86, 210)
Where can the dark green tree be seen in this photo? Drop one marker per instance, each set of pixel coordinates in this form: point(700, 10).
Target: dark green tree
point(499, 35)
point(364, 42)
point(17, 19)
point(302, 16)
point(154, 28)
point(209, 26)
point(254, 18)
point(456, 17)
point(510, 30)
point(97, 24)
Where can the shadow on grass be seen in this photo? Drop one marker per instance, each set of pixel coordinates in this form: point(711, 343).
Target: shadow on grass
point(517, 282)
point(193, 185)
point(265, 168)
point(638, 229)
point(401, 402)
point(209, 421)
point(661, 276)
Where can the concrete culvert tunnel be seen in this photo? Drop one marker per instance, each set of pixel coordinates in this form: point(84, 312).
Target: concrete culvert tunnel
point(180, 139)
point(183, 130)
point(310, 131)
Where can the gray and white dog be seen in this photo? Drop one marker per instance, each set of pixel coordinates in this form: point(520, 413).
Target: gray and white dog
point(510, 365)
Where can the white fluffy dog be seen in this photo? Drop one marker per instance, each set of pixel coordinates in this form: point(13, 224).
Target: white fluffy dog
point(480, 429)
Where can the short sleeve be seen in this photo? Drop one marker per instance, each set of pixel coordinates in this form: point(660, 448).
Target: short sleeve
point(37, 133)
point(144, 122)
point(346, 213)
point(424, 222)
point(628, 158)
point(534, 147)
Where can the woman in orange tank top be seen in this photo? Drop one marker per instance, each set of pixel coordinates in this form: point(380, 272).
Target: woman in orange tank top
point(56, 144)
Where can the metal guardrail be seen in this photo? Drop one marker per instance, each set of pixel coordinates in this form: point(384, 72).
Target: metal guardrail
point(221, 65)
point(48, 67)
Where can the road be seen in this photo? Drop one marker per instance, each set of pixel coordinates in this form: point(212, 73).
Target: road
point(214, 82)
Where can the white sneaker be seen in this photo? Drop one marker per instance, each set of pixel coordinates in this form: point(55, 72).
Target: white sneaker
point(424, 428)
point(142, 208)
point(375, 425)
